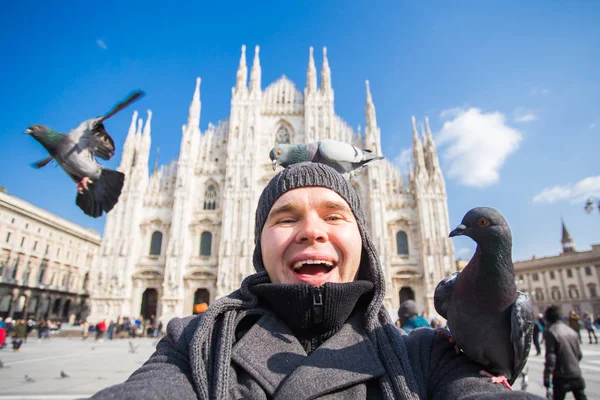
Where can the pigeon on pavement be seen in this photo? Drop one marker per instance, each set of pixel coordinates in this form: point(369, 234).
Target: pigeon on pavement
point(489, 319)
point(99, 188)
point(63, 374)
point(343, 157)
point(29, 379)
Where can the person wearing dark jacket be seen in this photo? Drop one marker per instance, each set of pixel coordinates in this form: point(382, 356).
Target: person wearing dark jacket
point(538, 327)
point(310, 323)
point(562, 372)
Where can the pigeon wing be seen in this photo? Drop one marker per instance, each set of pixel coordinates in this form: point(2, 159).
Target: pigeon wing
point(90, 135)
point(42, 163)
point(133, 96)
point(336, 151)
point(443, 293)
point(521, 332)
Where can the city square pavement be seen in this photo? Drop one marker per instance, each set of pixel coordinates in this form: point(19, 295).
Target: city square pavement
point(92, 366)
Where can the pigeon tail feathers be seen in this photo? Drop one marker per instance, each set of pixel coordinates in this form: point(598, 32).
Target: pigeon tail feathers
point(103, 194)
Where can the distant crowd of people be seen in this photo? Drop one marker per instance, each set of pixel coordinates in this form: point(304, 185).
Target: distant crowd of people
point(124, 327)
point(20, 329)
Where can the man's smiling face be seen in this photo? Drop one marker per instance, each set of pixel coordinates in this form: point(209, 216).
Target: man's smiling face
point(311, 236)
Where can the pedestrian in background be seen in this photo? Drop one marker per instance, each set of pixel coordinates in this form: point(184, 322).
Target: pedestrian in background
point(561, 371)
point(588, 323)
point(574, 323)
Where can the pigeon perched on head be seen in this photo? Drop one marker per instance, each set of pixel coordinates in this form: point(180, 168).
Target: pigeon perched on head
point(343, 157)
point(489, 319)
point(99, 188)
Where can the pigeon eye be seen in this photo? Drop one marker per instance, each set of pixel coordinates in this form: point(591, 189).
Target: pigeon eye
point(483, 222)
point(278, 152)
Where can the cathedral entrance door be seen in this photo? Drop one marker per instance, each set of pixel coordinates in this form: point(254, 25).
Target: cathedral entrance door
point(202, 296)
point(406, 293)
point(149, 303)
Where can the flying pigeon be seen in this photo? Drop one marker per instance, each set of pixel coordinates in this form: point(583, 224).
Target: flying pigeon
point(29, 379)
point(63, 374)
point(489, 319)
point(343, 157)
point(98, 188)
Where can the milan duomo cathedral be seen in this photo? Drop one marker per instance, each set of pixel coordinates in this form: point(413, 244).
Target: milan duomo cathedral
point(184, 234)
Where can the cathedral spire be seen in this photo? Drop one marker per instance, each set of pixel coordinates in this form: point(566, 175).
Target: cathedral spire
point(194, 114)
point(418, 158)
point(148, 126)
point(325, 73)
point(435, 162)
point(311, 73)
point(567, 242)
point(371, 118)
point(242, 73)
point(255, 74)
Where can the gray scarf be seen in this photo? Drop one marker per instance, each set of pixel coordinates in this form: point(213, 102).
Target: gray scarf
point(213, 341)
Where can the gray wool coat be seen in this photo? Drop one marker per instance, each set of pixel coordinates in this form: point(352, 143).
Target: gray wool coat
point(268, 362)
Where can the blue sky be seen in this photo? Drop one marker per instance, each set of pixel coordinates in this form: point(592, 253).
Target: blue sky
point(512, 90)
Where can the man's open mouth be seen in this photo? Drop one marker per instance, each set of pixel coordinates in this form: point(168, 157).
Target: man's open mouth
point(313, 267)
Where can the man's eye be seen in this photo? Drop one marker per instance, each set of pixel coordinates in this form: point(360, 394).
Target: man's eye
point(286, 221)
point(334, 217)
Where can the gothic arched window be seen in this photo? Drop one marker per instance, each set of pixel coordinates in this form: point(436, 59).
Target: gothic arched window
point(555, 293)
point(539, 295)
point(283, 135)
point(205, 243)
point(156, 243)
point(210, 197)
point(401, 243)
point(573, 292)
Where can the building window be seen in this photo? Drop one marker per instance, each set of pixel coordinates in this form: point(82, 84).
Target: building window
point(43, 267)
point(592, 290)
point(13, 275)
point(588, 271)
point(47, 249)
point(521, 278)
point(283, 135)
point(86, 278)
point(205, 243)
point(210, 198)
point(539, 295)
point(57, 252)
point(22, 241)
point(573, 292)
point(8, 237)
point(34, 245)
point(26, 276)
point(401, 243)
point(555, 293)
point(552, 275)
point(156, 243)
point(569, 273)
point(535, 276)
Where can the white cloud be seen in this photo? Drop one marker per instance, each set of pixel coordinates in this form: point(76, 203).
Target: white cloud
point(476, 145)
point(522, 115)
point(539, 92)
point(575, 193)
point(592, 125)
point(451, 112)
point(101, 44)
point(402, 159)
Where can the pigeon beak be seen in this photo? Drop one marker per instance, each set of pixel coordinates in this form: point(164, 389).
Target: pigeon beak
point(27, 131)
point(274, 164)
point(459, 230)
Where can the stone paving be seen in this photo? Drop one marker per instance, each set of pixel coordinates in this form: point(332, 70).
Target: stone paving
point(92, 366)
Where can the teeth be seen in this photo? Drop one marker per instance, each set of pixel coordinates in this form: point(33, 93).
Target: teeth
point(299, 264)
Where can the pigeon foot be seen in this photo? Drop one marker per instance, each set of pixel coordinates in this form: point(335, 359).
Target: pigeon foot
point(83, 184)
point(497, 379)
point(450, 338)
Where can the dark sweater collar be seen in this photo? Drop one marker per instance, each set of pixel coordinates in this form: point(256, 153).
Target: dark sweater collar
point(314, 314)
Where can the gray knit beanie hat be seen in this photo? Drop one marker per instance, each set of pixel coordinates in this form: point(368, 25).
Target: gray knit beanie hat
point(303, 175)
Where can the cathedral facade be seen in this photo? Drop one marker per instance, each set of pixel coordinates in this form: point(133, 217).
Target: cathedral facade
point(184, 233)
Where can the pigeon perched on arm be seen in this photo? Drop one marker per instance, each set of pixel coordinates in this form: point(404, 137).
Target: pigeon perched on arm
point(343, 157)
point(99, 188)
point(489, 319)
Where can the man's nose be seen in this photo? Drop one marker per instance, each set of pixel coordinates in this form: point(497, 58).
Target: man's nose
point(312, 230)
